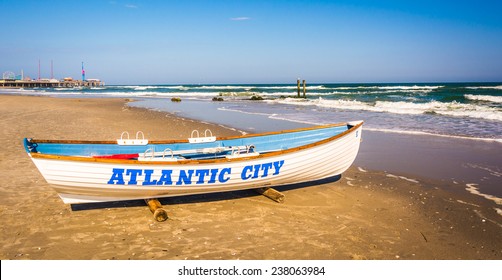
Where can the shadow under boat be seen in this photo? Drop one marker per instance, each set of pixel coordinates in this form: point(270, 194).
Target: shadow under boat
point(198, 198)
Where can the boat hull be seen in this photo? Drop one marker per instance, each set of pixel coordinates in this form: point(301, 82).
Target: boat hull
point(79, 180)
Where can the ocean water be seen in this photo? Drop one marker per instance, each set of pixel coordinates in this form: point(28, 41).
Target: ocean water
point(464, 110)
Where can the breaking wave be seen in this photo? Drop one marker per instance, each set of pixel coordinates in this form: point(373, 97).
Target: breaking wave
point(454, 108)
point(491, 98)
point(486, 87)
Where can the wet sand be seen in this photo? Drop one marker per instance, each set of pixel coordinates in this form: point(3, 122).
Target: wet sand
point(365, 214)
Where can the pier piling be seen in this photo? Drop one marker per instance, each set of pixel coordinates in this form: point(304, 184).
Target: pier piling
point(304, 89)
point(298, 86)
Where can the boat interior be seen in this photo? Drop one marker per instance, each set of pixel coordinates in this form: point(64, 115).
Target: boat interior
point(195, 147)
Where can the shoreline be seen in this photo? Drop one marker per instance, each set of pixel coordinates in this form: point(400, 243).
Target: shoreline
point(366, 214)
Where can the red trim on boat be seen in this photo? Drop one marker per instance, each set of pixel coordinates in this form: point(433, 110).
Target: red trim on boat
point(118, 156)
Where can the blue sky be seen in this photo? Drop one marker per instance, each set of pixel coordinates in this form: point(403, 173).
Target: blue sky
point(173, 42)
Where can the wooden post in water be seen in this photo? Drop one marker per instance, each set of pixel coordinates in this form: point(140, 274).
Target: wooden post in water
point(298, 86)
point(304, 89)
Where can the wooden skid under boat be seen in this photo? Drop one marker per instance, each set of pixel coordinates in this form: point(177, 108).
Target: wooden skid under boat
point(99, 171)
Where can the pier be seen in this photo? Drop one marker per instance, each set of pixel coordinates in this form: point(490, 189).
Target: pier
point(50, 83)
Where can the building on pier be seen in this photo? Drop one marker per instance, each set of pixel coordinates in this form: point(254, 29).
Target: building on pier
point(11, 80)
point(50, 83)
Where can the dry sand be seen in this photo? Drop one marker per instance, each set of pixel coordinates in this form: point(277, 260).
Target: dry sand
point(363, 215)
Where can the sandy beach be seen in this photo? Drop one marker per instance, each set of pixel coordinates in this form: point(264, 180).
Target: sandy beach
point(367, 214)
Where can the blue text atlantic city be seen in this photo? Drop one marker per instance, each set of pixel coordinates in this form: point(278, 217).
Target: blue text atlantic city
point(121, 176)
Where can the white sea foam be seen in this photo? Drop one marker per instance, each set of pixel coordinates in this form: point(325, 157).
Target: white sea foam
point(486, 87)
point(269, 94)
point(454, 109)
point(415, 87)
point(401, 107)
point(352, 88)
point(131, 87)
point(491, 98)
point(319, 87)
point(222, 87)
point(403, 178)
point(474, 190)
point(498, 210)
point(144, 87)
point(279, 87)
point(393, 88)
point(139, 88)
point(490, 170)
point(467, 203)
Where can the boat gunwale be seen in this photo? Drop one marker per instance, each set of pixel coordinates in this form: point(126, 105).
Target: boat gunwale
point(198, 161)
